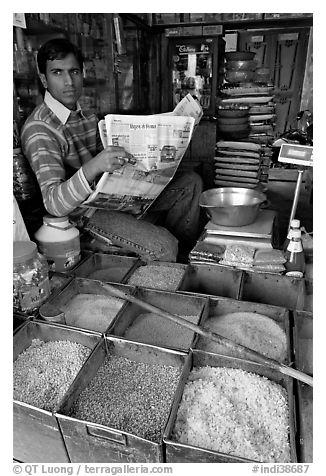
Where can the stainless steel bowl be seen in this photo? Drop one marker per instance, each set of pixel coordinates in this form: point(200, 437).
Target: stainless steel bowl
point(232, 206)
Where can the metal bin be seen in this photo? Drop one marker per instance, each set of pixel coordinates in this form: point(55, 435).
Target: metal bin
point(179, 266)
point(113, 268)
point(268, 288)
point(220, 306)
point(302, 341)
point(182, 305)
point(182, 453)
point(88, 442)
point(212, 279)
point(87, 286)
point(36, 434)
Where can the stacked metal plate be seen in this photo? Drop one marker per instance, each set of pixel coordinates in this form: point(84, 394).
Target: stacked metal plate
point(237, 164)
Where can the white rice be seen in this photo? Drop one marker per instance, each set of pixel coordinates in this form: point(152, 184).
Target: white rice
point(234, 412)
point(255, 331)
point(92, 311)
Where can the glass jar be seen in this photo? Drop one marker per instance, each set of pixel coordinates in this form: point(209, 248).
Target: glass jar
point(31, 286)
point(23, 185)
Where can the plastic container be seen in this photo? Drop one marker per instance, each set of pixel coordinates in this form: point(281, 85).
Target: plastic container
point(58, 240)
point(295, 261)
point(294, 225)
point(30, 277)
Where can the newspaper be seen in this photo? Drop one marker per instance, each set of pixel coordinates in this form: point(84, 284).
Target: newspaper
point(156, 143)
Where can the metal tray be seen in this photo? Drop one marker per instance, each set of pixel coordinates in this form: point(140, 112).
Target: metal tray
point(182, 453)
point(220, 306)
point(174, 303)
point(278, 290)
point(89, 442)
point(212, 279)
point(87, 286)
point(36, 434)
point(179, 266)
point(116, 267)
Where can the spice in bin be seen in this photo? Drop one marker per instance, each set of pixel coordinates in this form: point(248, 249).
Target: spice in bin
point(30, 277)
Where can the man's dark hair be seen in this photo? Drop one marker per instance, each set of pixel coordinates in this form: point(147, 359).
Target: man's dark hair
point(57, 48)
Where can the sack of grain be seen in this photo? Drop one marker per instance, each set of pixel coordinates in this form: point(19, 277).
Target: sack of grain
point(150, 242)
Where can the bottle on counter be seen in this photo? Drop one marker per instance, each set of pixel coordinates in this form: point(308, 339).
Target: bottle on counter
point(295, 260)
point(294, 225)
point(59, 241)
point(30, 277)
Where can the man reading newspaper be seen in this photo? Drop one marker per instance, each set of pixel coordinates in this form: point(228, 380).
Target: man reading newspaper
point(63, 146)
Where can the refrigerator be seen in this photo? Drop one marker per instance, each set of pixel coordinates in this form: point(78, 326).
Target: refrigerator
point(195, 67)
point(195, 70)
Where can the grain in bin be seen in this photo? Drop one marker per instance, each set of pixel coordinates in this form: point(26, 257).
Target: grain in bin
point(150, 328)
point(85, 304)
point(162, 275)
point(44, 366)
point(221, 400)
point(260, 327)
point(118, 407)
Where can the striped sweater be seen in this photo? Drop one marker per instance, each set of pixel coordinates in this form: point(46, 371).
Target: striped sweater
point(57, 142)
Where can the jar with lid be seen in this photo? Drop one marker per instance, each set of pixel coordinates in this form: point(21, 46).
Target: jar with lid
point(23, 181)
point(31, 286)
point(58, 240)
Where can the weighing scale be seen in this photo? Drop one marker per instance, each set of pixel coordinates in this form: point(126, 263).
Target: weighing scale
point(301, 155)
point(259, 234)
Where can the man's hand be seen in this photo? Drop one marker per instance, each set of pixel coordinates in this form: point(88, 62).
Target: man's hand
point(111, 158)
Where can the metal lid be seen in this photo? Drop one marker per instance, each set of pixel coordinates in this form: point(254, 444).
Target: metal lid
point(24, 250)
point(51, 219)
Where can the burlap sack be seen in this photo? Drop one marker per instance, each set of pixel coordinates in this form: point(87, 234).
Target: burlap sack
point(150, 242)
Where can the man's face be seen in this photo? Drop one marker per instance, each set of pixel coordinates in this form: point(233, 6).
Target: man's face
point(64, 80)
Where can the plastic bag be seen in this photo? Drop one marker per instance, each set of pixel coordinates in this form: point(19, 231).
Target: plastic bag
point(240, 254)
point(272, 256)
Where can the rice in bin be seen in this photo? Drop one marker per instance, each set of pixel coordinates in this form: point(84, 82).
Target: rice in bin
point(130, 396)
point(255, 331)
point(162, 277)
point(234, 412)
point(92, 311)
point(44, 371)
point(151, 328)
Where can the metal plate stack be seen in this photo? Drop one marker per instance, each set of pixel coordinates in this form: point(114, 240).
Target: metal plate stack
point(249, 86)
point(237, 164)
